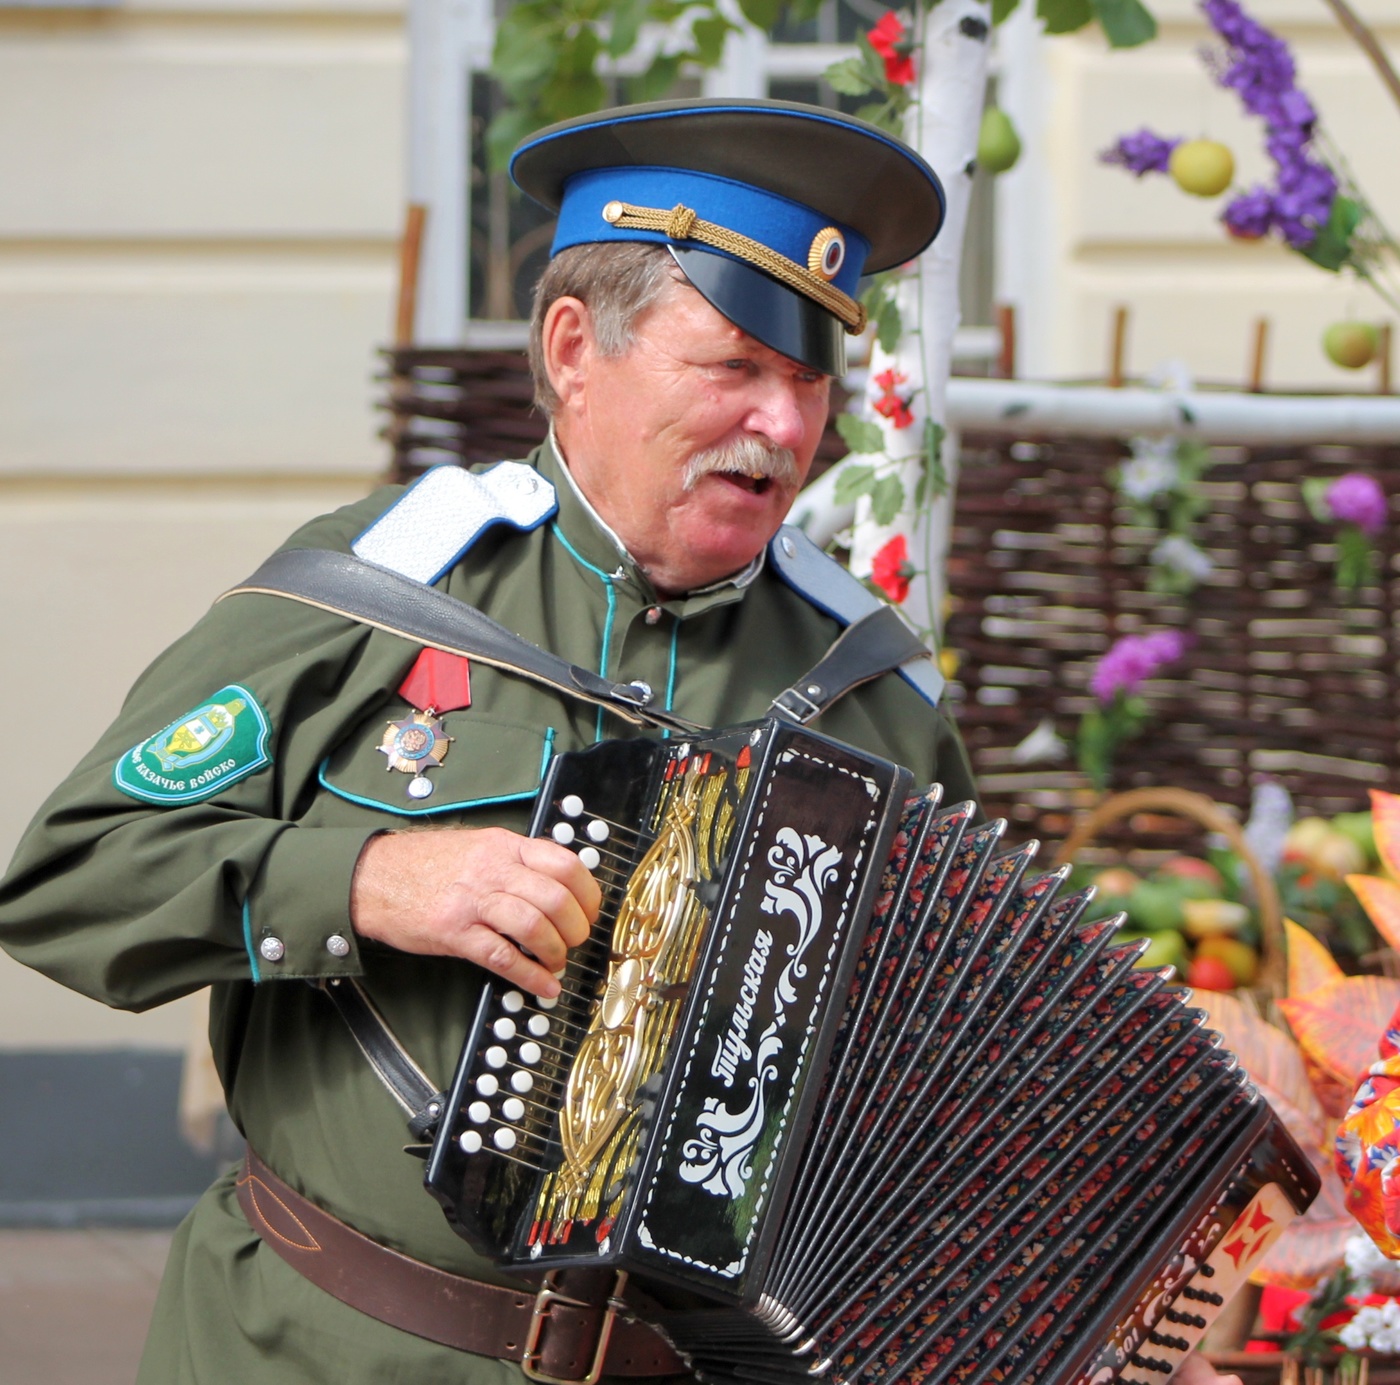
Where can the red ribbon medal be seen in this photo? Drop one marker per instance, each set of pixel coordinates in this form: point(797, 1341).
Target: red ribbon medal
point(436, 683)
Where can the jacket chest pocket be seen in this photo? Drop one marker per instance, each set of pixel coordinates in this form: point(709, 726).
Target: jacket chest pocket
point(409, 766)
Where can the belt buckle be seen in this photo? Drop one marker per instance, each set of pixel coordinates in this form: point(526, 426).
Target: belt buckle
point(539, 1314)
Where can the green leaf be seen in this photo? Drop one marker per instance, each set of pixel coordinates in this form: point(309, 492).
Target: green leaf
point(709, 35)
point(886, 499)
point(849, 77)
point(1126, 23)
point(889, 326)
point(505, 132)
point(1095, 746)
point(1356, 559)
point(859, 434)
point(626, 25)
point(1064, 16)
point(657, 80)
point(935, 471)
point(762, 14)
point(1331, 248)
point(852, 482)
point(1003, 10)
point(524, 52)
point(1314, 489)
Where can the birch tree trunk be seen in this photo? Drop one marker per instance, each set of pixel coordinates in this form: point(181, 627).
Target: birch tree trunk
point(943, 125)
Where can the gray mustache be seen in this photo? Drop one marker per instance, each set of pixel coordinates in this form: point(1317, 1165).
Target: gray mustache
point(748, 456)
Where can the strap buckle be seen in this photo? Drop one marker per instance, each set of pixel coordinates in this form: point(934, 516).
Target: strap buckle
point(539, 1315)
point(796, 705)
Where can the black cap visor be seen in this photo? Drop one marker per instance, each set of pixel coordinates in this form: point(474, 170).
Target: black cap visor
point(780, 317)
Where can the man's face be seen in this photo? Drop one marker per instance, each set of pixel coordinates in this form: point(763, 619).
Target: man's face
point(678, 443)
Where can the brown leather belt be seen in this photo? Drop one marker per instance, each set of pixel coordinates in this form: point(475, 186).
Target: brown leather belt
point(572, 1331)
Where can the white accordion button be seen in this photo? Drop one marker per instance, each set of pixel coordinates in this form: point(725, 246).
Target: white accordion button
point(479, 1113)
point(590, 857)
point(512, 1108)
point(488, 1084)
point(563, 833)
point(470, 1141)
point(512, 1002)
point(521, 1082)
point(538, 1025)
point(571, 805)
point(504, 1139)
point(597, 830)
point(495, 1056)
point(504, 1028)
point(530, 1053)
point(546, 1002)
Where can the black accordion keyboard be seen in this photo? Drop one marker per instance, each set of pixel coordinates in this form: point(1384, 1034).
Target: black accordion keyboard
point(838, 1063)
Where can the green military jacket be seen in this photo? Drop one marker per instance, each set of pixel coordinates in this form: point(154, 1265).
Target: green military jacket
point(138, 900)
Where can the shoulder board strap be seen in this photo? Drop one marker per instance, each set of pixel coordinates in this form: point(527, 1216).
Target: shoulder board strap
point(446, 510)
point(832, 590)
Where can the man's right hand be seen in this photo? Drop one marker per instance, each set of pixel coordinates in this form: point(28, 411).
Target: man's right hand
point(483, 894)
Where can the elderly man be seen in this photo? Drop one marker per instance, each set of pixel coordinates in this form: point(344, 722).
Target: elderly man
point(255, 819)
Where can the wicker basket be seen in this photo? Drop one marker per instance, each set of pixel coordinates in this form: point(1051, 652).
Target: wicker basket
point(1205, 813)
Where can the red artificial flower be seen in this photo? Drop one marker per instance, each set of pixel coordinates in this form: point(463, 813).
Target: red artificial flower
point(892, 407)
point(888, 38)
point(887, 381)
point(890, 569)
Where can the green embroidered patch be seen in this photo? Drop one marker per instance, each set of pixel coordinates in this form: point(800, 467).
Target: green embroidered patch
point(219, 743)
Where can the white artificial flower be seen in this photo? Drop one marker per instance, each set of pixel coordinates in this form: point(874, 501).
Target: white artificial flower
point(1353, 1336)
point(1363, 1255)
point(1042, 745)
point(1181, 555)
point(1171, 375)
point(1151, 469)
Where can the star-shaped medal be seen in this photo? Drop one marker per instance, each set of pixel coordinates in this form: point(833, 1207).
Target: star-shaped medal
point(414, 746)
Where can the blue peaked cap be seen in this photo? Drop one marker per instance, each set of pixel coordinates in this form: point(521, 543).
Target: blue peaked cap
point(773, 210)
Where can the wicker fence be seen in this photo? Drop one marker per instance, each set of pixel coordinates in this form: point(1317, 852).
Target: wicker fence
point(1284, 677)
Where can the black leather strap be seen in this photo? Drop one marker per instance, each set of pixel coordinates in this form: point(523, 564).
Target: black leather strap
point(407, 1083)
point(875, 644)
point(376, 596)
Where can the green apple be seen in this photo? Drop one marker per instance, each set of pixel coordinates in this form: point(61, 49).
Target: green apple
point(1202, 167)
point(1351, 345)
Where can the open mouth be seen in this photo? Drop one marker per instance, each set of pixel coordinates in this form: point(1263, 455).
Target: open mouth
point(755, 485)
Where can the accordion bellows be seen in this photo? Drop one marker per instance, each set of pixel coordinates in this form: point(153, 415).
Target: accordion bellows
point(860, 1078)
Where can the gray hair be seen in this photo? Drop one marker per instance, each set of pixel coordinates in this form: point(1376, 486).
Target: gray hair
point(617, 281)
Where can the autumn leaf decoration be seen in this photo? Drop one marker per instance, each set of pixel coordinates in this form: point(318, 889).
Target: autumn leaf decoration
point(1310, 1074)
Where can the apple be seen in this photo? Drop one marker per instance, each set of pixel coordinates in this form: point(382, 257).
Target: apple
point(1242, 959)
point(1210, 974)
point(1202, 167)
point(1194, 869)
point(1351, 345)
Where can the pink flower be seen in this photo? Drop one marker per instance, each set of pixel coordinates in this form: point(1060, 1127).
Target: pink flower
point(890, 569)
point(892, 407)
point(1356, 499)
point(887, 381)
point(889, 39)
point(1132, 659)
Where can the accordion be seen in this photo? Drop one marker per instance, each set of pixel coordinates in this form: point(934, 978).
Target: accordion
point(852, 1081)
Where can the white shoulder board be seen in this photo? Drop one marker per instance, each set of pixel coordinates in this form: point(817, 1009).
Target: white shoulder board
point(446, 510)
point(830, 588)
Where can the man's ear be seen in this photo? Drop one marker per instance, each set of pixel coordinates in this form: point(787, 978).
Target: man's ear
point(567, 346)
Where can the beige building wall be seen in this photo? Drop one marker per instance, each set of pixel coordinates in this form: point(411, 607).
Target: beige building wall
point(199, 206)
point(1080, 238)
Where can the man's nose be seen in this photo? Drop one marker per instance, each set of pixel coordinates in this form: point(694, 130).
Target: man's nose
point(777, 415)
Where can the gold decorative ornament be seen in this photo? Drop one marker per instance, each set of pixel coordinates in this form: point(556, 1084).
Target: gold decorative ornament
point(681, 223)
point(828, 253)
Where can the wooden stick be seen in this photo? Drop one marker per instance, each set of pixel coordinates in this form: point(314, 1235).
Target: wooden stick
point(1006, 357)
point(410, 252)
point(1118, 348)
point(1383, 359)
point(1261, 346)
point(1369, 44)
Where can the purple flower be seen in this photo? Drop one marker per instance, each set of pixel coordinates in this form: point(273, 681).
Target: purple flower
point(1141, 153)
point(1356, 499)
point(1251, 215)
point(1133, 658)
